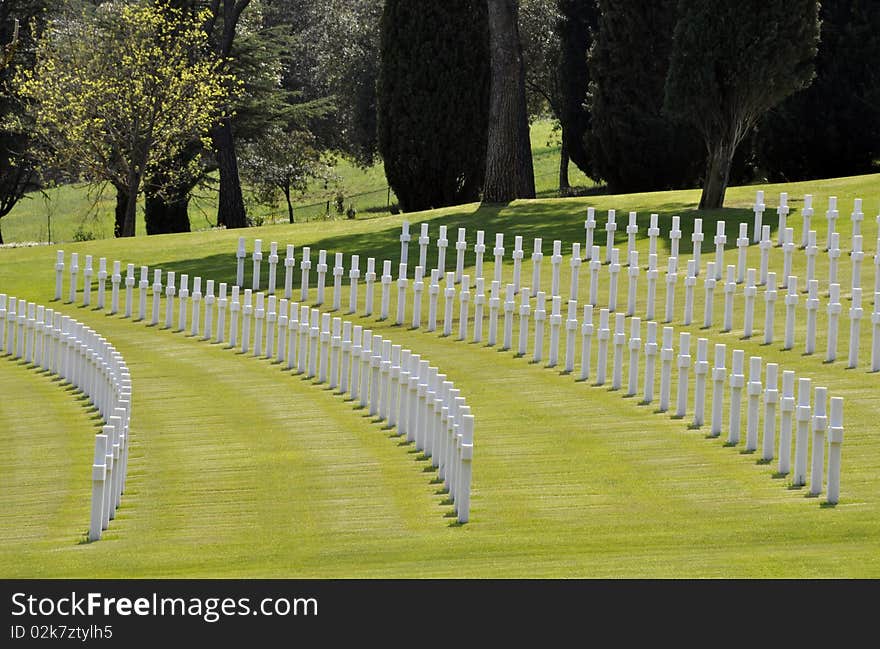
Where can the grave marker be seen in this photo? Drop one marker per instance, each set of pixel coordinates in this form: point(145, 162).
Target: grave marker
point(353, 276)
point(338, 272)
point(653, 234)
point(170, 291)
point(857, 217)
point(835, 439)
point(595, 266)
point(831, 216)
point(729, 292)
point(856, 257)
point(479, 251)
point(833, 258)
point(143, 286)
point(782, 212)
point(650, 360)
point(540, 317)
point(750, 293)
point(196, 300)
point(709, 302)
point(370, 280)
point(524, 313)
point(671, 279)
point(791, 300)
point(875, 322)
point(479, 304)
point(684, 364)
point(604, 334)
point(464, 297)
point(720, 241)
point(586, 341)
point(246, 313)
point(571, 324)
point(221, 313)
point(555, 325)
point(449, 293)
point(324, 348)
point(690, 281)
point(855, 319)
point(614, 272)
point(418, 287)
point(442, 244)
point(460, 247)
point(499, 255)
point(652, 287)
point(386, 288)
point(305, 266)
point(742, 243)
point(508, 317)
point(589, 227)
point(234, 308)
point(59, 273)
point(834, 309)
point(806, 216)
point(701, 375)
point(575, 264)
point(737, 382)
point(787, 412)
point(610, 229)
point(182, 302)
point(632, 229)
point(433, 292)
point(697, 239)
point(424, 240)
point(537, 256)
point(758, 208)
point(273, 266)
point(402, 283)
point(102, 279)
point(322, 276)
point(240, 254)
point(494, 306)
point(765, 245)
point(799, 477)
point(820, 425)
point(115, 279)
point(635, 345)
point(754, 389)
point(619, 344)
point(404, 242)
point(667, 355)
point(675, 236)
point(257, 259)
point(87, 282)
point(771, 398)
point(517, 263)
point(289, 264)
point(632, 289)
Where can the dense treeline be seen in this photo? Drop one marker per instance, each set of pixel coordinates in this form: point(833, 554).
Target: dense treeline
point(668, 94)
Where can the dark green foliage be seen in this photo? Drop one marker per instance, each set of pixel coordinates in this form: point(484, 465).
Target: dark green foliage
point(633, 145)
point(17, 164)
point(575, 27)
point(833, 127)
point(731, 63)
point(433, 100)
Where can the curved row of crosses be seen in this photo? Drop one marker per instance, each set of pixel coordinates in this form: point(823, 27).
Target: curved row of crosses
point(398, 386)
point(46, 339)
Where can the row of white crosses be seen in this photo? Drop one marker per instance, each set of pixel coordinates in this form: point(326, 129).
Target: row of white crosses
point(729, 286)
point(45, 338)
point(619, 342)
point(394, 383)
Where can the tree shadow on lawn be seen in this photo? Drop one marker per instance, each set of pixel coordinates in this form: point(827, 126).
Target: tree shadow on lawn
point(558, 220)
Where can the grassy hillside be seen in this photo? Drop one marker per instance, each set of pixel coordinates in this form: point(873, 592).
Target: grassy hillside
point(64, 211)
point(239, 469)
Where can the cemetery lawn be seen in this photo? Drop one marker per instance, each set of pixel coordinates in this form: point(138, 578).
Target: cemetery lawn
point(240, 469)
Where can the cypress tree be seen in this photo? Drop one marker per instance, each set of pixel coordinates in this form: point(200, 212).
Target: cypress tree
point(731, 63)
point(433, 98)
point(833, 127)
point(633, 145)
point(575, 28)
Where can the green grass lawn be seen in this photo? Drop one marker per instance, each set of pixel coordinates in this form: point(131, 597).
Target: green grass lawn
point(240, 469)
point(63, 211)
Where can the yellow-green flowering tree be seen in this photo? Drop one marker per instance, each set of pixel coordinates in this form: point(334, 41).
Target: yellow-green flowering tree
point(118, 91)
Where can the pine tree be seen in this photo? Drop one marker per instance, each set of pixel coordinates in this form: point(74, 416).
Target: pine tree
point(632, 144)
point(731, 63)
point(433, 100)
point(833, 127)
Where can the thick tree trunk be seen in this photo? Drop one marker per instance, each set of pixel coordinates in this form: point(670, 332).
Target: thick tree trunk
point(717, 175)
point(509, 171)
point(162, 216)
point(564, 183)
point(128, 224)
point(121, 206)
point(230, 211)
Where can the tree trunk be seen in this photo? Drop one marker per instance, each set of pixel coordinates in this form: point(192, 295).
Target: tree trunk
point(289, 203)
point(121, 206)
point(162, 216)
point(134, 182)
point(564, 183)
point(1, 238)
point(509, 171)
point(230, 211)
point(717, 175)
